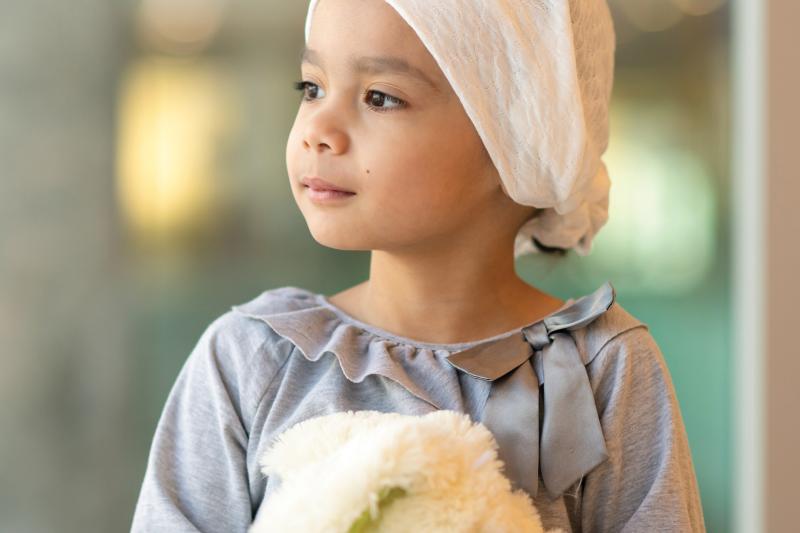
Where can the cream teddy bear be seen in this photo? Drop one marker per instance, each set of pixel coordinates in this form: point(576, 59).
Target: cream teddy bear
point(369, 471)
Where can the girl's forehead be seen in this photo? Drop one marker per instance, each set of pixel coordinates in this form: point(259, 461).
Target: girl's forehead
point(362, 23)
point(368, 36)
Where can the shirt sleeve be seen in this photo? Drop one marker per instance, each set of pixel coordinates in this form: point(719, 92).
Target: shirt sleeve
point(196, 477)
point(648, 483)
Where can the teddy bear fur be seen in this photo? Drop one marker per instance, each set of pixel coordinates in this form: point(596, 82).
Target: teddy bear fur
point(441, 470)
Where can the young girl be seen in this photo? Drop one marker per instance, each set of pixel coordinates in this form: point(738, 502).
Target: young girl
point(448, 138)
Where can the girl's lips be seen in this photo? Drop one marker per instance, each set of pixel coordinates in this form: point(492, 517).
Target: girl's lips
point(320, 184)
point(327, 195)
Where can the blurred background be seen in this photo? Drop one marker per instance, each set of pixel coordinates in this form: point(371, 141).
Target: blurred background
point(143, 191)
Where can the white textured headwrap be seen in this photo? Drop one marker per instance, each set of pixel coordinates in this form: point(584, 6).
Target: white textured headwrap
point(535, 78)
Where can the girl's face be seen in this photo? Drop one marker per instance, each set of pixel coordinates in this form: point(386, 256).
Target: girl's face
point(378, 118)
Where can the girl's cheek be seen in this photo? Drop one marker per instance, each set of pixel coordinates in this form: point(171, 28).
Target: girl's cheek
point(294, 144)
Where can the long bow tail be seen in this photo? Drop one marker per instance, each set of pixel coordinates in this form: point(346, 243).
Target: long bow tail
point(571, 442)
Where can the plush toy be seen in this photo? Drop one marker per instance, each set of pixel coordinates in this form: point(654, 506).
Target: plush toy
point(368, 471)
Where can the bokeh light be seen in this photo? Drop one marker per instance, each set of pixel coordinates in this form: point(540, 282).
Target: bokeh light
point(180, 25)
point(172, 114)
point(650, 15)
point(660, 237)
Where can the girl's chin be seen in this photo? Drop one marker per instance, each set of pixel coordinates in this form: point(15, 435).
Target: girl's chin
point(342, 244)
point(330, 235)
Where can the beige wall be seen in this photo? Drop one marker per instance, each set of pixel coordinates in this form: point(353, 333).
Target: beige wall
point(782, 268)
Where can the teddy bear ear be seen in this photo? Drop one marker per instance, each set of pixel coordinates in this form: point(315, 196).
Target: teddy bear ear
point(316, 438)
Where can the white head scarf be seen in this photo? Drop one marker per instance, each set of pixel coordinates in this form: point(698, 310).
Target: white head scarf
point(535, 78)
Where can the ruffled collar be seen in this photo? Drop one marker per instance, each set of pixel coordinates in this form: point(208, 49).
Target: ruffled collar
point(556, 347)
point(316, 327)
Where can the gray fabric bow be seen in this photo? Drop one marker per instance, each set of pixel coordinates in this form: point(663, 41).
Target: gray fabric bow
point(571, 442)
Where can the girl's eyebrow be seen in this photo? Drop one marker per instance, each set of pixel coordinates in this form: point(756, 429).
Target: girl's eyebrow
point(374, 64)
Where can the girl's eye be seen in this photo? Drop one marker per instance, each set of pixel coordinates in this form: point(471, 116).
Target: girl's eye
point(376, 100)
point(303, 85)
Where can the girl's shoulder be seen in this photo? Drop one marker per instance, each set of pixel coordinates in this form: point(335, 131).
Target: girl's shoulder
point(621, 353)
point(614, 328)
point(251, 322)
point(245, 329)
point(237, 327)
point(283, 316)
point(244, 353)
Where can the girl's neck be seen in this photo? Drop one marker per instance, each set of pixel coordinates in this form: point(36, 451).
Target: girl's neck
point(459, 303)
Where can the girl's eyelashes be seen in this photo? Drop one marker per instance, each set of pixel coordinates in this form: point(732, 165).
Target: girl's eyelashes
point(301, 86)
point(375, 99)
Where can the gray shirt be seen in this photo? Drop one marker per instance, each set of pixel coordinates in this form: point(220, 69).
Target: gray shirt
point(289, 354)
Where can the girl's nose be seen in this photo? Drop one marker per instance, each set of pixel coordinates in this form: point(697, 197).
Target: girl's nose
point(322, 131)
